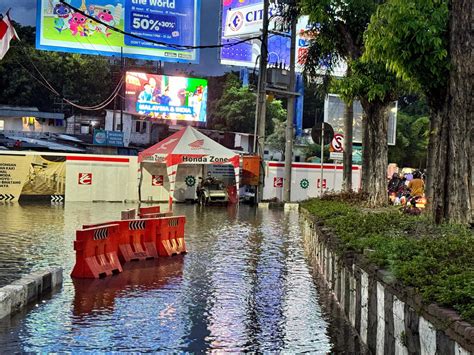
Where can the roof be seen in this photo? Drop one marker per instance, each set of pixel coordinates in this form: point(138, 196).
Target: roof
point(189, 146)
point(23, 111)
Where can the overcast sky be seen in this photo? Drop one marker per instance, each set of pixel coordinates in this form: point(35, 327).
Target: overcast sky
point(24, 12)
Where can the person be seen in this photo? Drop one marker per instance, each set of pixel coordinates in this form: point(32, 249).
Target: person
point(416, 185)
point(394, 183)
point(146, 94)
point(165, 98)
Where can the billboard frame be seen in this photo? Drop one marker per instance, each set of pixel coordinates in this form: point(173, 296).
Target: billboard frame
point(121, 49)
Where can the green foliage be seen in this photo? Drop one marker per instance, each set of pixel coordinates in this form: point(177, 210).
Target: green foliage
point(277, 139)
point(435, 259)
point(83, 79)
point(314, 150)
point(235, 110)
point(411, 39)
point(412, 141)
point(369, 81)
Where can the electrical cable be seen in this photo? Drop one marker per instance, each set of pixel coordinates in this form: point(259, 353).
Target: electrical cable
point(164, 44)
point(49, 87)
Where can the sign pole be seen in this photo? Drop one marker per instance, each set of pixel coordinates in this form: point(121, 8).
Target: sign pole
point(290, 132)
point(261, 98)
point(322, 159)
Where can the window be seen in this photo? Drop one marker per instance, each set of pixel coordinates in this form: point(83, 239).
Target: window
point(2, 125)
point(140, 126)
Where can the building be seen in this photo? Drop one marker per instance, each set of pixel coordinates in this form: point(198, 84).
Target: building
point(14, 119)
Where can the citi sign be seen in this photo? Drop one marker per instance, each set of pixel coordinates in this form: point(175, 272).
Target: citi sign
point(246, 20)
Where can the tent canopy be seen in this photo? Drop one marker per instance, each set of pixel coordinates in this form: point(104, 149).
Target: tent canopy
point(189, 146)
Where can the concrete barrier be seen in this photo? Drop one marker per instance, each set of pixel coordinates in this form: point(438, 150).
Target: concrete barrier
point(28, 289)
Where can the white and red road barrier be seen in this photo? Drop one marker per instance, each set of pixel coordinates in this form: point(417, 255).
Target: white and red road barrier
point(306, 180)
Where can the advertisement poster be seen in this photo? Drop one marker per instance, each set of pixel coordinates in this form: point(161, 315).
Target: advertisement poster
point(108, 138)
point(243, 19)
point(166, 98)
point(31, 175)
point(334, 109)
point(172, 22)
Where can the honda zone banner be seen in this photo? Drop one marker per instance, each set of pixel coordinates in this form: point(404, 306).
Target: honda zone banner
point(171, 22)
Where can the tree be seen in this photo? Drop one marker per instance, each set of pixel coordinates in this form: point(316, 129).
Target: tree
point(235, 110)
point(277, 139)
point(85, 80)
point(430, 42)
point(340, 32)
point(411, 148)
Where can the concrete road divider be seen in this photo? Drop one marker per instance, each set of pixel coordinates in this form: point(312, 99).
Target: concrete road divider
point(29, 289)
point(129, 214)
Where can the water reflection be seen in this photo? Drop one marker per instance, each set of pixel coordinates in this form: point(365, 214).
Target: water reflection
point(243, 286)
point(98, 296)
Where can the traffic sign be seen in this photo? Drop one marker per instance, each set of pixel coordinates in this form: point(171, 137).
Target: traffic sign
point(277, 182)
point(316, 133)
point(336, 155)
point(337, 143)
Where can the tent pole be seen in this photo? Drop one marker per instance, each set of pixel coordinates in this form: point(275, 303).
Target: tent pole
point(140, 185)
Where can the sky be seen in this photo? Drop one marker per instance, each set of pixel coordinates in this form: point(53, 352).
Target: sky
point(24, 12)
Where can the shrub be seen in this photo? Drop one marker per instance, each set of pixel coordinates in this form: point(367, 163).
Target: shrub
point(436, 260)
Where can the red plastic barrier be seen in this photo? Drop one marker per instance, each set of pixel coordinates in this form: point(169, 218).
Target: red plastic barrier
point(169, 234)
point(136, 240)
point(232, 193)
point(157, 215)
point(148, 210)
point(96, 252)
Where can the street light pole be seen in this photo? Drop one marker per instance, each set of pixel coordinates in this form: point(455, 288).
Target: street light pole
point(261, 98)
point(290, 131)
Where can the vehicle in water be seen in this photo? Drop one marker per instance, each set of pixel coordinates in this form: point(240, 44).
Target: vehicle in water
point(212, 191)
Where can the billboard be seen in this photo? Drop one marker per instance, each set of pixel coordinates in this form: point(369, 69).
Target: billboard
point(243, 19)
point(166, 98)
point(334, 115)
point(172, 22)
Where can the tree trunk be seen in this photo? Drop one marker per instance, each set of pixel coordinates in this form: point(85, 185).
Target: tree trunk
point(347, 155)
point(375, 152)
point(452, 170)
point(365, 154)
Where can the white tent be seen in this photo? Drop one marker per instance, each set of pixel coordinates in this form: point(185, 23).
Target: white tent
point(188, 146)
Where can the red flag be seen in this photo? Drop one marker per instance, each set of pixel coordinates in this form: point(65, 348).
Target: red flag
point(7, 33)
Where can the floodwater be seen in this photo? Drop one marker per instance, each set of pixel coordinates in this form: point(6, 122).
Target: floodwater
point(243, 286)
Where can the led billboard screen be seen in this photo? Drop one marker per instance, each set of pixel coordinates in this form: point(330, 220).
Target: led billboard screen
point(166, 98)
point(172, 22)
point(243, 19)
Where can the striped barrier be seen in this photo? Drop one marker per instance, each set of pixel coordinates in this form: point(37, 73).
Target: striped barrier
point(157, 215)
point(169, 235)
point(101, 247)
point(96, 252)
point(136, 241)
point(148, 211)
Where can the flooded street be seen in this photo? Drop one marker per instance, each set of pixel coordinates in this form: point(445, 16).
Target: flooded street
point(243, 286)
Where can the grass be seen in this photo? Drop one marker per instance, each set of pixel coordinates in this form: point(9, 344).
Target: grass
point(438, 261)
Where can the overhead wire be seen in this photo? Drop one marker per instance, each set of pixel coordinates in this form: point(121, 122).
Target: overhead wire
point(46, 84)
point(160, 43)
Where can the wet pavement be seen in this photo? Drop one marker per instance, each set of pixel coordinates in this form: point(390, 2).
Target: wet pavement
point(243, 286)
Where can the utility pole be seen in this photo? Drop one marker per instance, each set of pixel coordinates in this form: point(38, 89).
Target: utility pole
point(122, 90)
point(290, 131)
point(261, 98)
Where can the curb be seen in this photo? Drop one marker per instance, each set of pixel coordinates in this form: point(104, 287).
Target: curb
point(28, 289)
